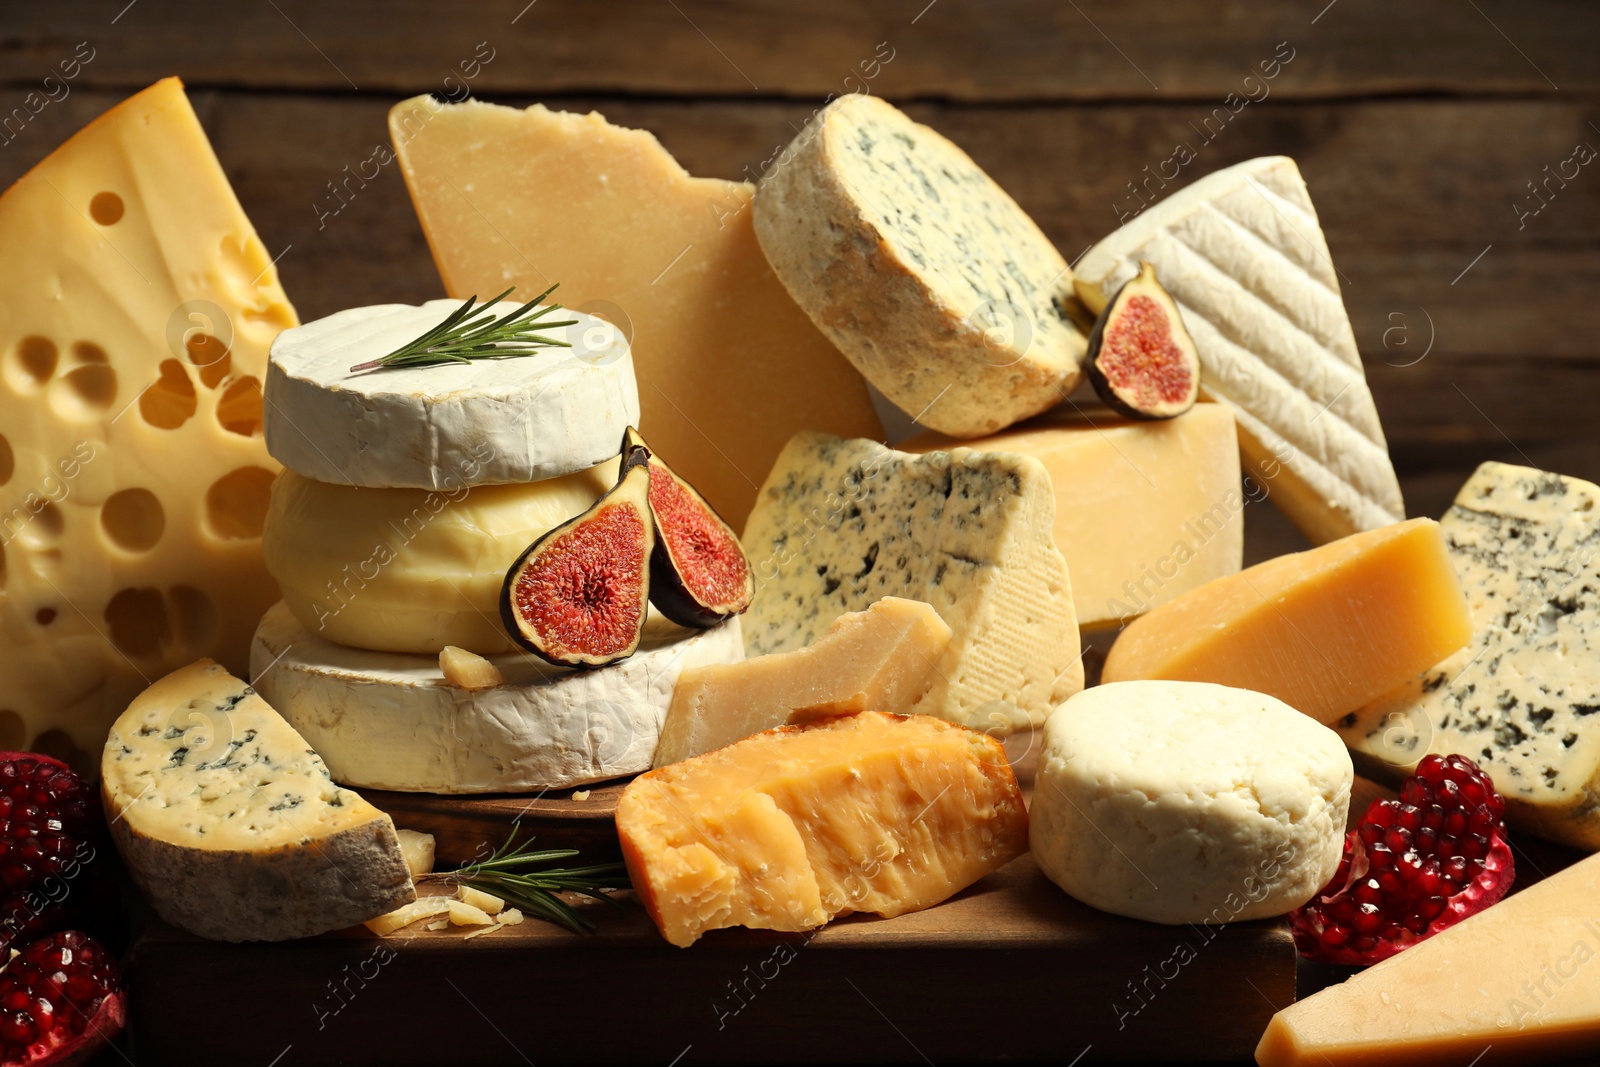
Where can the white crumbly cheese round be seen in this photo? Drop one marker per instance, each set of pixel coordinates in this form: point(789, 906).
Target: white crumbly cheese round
point(486, 422)
point(1187, 802)
point(391, 721)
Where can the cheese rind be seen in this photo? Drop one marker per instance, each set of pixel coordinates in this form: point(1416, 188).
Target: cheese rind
point(1145, 510)
point(1520, 699)
point(411, 570)
point(840, 524)
point(785, 830)
point(935, 284)
point(1242, 253)
point(391, 721)
point(1184, 802)
point(881, 659)
point(1515, 978)
point(229, 822)
point(730, 367)
point(1325, 630)
point(139, 305)
point(556, 411)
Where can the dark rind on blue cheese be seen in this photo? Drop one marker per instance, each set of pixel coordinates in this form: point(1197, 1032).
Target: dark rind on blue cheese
point(1523, 699)
point(231, 825)
point(840, 524)
point(923, 271)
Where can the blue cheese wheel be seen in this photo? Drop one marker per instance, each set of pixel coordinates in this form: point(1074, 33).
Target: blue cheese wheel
point(925, 273)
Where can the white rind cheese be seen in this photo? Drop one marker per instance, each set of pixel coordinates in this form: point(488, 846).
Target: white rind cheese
point(391, 721)
point(840, 524)
point(1523, 698)
point(1187, 802)
point(1243, 254)
point(486, 422)
point(229, 822)
point(935, 284)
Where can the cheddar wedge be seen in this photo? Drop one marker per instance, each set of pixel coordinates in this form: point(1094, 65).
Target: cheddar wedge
point(796, 826)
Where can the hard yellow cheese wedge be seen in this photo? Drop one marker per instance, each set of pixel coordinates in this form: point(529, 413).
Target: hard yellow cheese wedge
point(790, 828)
point(137, 310)
point(1519, 978)
point(1324, 630)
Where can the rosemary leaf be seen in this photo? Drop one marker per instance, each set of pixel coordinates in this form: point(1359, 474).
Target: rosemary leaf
point(472, 332)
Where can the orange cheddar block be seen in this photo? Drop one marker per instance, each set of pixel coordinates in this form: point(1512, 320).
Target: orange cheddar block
point(1325, 630)
point(1518, 978)
point(802, 824)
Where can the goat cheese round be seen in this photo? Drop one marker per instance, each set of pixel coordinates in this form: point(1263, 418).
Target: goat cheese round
point(488, 421)
point(384, 720)
point(1187, 802)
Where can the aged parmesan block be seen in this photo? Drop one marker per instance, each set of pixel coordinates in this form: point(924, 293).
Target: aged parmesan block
point(882, 659)
point(137, 310)
point(796, 826)
point(1242, 253)
point(1522, 698)
point(939, 288)
point(1325, 630)
point(229, 822)
point(386, 720)
point(1512, 984)
point(730, 368)
point(840, 524)
point(1144, 510)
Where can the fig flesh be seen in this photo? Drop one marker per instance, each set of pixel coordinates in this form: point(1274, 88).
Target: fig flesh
point(699, 575)
point(577, 597)
point(1141, 359)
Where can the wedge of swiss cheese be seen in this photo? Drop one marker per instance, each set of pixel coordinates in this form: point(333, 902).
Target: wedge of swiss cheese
point(137, 310)
point(729, 368)
point(788, 829)
point(1242, 253)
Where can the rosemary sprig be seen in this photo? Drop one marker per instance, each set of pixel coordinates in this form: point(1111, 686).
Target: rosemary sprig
point(472, 332)
point(518, 875)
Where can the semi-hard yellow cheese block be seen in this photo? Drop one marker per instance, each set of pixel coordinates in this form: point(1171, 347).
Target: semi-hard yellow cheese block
point(729, 367)
point(136, 309)
point(796, 826)
point(881, 659)
point(1515, 984)
point(1144, 510)
point(1324, 630)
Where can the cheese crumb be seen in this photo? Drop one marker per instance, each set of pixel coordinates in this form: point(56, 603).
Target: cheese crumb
point(468, 670)
point(581, 794)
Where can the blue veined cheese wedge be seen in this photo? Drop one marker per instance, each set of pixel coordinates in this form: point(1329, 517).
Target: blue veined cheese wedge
point(840, 524)
point(1523, 698)
point(229, 822)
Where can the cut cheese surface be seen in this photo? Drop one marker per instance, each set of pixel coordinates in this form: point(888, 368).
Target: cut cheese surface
point(1243, 254)
point(1325, 630)
point(411, 570)
point(798, 825)
point(1520, 699)
point(386, 720)
point(137, 311)
point(556, 411)
point(1144, 510)
point(936, 284)
point(230, 823)
point(1514, 983)
point(729, 368)
point(881, 659)
point(841, 524)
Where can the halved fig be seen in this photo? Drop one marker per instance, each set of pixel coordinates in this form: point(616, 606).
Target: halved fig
point(578, 596)
point(699, 575)
point(1141, 359)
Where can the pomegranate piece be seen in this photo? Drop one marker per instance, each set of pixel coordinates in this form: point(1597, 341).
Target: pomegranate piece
point(1413, 867)
point(49, 821)
point(61, 1000)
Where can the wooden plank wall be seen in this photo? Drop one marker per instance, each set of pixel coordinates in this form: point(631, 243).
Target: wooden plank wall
point(1419, 127)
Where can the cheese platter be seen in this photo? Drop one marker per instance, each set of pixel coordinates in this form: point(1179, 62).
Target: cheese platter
point(586, 623)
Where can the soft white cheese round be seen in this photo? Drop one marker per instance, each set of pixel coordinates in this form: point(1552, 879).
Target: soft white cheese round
point(411, 570)
point(485, 422)
point(388, 721)
point(1187, 802)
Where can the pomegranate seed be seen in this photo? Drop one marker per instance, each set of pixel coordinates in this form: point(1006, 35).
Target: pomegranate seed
point(60, 995)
